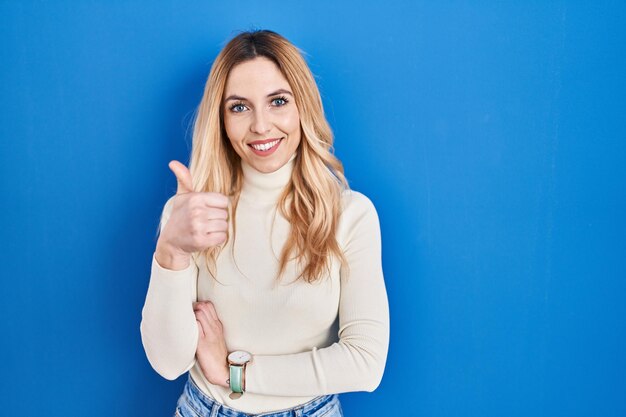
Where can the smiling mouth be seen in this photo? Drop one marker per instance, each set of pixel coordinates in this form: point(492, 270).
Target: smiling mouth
point(264, 146)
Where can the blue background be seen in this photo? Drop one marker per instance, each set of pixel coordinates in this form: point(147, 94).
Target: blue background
point(490, 136)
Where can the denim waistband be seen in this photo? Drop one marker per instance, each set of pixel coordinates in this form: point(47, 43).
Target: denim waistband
point(206, 404)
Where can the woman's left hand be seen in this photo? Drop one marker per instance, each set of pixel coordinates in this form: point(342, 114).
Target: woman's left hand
point(211, 352)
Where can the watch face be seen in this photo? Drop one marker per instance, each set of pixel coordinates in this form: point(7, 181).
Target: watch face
point(239, 357)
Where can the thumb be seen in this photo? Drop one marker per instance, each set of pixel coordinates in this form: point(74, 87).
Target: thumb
point(183, 176)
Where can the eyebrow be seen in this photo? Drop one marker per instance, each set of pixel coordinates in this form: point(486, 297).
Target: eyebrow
point(279, 91)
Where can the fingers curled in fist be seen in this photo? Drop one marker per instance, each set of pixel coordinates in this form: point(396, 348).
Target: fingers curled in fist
point(198, 220)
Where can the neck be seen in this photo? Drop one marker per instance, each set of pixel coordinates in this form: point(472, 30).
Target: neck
point(265, 187)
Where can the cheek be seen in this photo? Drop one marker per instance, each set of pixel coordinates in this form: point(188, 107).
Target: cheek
point(233, 129)
point(291, 122)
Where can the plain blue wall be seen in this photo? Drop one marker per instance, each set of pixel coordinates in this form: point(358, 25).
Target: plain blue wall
point(491, 138)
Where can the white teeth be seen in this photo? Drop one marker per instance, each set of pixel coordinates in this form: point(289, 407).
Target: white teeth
point(265, 146)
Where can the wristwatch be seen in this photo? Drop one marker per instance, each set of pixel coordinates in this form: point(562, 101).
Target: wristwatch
point(237, 362)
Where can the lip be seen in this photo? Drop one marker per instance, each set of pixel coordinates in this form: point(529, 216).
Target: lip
point(267, 152)
point(261, 142)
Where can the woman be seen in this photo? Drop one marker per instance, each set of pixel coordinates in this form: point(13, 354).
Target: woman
point(266, 281)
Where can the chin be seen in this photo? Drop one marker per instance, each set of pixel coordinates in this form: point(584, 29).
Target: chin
point(267, 166)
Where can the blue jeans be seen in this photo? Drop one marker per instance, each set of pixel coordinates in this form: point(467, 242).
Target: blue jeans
point(194, 403)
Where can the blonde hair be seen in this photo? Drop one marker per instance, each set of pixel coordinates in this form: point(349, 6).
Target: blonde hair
point(312, 200)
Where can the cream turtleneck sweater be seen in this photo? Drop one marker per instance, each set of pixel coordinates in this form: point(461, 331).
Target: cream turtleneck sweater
point(307, 340)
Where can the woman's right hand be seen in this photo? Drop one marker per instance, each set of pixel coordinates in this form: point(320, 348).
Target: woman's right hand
point(198, 221)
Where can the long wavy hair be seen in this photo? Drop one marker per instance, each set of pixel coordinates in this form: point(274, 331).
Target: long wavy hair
point(312, 200)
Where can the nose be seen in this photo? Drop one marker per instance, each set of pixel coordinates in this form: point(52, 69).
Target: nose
point(260, 122)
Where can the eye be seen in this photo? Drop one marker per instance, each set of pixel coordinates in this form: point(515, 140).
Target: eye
point(280, 101)
point(238, 107)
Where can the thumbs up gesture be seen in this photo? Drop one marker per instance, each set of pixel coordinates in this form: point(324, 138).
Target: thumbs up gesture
point(198, 221)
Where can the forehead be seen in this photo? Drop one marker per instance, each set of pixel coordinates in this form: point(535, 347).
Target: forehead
point(257, 76)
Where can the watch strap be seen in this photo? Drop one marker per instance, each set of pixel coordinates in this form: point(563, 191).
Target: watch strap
point(236, 378)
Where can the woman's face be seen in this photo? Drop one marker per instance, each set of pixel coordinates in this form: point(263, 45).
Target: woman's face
point(260, 115)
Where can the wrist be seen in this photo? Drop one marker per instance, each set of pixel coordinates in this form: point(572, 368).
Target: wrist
point(170, 257)
point(225, 378)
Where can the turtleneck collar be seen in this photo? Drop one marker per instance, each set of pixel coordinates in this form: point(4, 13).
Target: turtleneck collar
point(265, 187)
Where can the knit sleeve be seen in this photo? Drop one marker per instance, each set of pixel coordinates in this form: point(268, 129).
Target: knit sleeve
point(357, 361)
point(169, 331)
